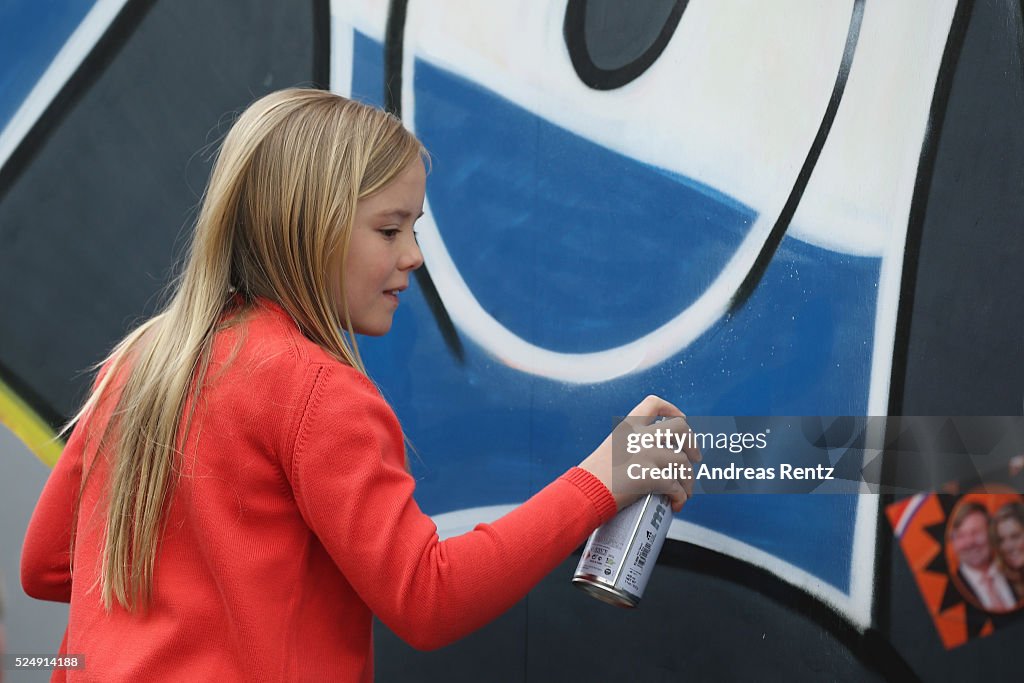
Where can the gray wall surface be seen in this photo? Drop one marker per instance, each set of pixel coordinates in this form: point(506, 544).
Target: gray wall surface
point(33, 626)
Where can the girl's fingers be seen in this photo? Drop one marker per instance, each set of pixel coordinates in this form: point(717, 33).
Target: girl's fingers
point(678, 497)
point(650, 409)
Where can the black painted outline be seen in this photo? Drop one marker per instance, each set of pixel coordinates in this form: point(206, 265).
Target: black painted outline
point(394, 38)
point(774, 239)
point(321, 67)
point(573, 31)
point(394, 49)
point(908, 283)
point(1020, 33)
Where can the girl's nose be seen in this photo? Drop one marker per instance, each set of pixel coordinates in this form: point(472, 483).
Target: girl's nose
point(412, 258)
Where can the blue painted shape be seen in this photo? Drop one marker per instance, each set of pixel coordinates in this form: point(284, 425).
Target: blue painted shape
point(570, 245)
point(31, 35)
point(487, 434)
point(367, 69)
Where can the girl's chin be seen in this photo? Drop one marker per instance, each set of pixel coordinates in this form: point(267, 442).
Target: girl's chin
point(378, 330)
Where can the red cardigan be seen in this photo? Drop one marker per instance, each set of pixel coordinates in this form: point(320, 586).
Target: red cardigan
point(292, 523)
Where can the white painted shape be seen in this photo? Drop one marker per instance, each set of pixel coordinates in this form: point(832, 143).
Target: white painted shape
point(78, 46)
point(862, 559)
point(341, 54)
point(369, 17)
point(890, 281)
point(853, 201)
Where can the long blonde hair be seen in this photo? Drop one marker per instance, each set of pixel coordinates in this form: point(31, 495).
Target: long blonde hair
point(275, 222)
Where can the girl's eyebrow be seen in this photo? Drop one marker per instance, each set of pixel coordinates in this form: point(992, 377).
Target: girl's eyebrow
point(397, 213)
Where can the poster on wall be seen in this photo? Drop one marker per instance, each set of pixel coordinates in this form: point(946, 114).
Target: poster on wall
point(965, 548)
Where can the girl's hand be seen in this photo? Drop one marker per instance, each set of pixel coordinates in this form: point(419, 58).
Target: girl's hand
point(612, 462)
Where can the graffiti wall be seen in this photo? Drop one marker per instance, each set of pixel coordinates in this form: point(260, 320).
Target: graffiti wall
point(786, 208)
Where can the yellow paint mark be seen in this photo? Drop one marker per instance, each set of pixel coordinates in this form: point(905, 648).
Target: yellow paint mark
point(31, 429)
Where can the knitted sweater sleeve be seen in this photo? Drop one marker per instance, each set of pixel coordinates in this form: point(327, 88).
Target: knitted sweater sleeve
point(352, 487)
point(46, 552)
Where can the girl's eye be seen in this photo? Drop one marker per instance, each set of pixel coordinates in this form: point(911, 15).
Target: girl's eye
point(389, 233)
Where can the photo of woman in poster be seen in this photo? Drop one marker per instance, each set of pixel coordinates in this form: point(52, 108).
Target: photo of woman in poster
point(1006, 533)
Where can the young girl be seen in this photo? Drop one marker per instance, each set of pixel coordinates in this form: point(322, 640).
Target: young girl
point(234, 501)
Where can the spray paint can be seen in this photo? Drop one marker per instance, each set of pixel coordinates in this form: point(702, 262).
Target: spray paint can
point(619, 556)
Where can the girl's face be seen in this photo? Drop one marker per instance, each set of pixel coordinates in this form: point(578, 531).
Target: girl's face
point(382, 250)
point(1011, 542)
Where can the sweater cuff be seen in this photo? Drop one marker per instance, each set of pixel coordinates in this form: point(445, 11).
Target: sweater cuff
point(592, 488)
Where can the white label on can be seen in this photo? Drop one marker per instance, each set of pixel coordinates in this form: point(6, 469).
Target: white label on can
point(622, 551)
